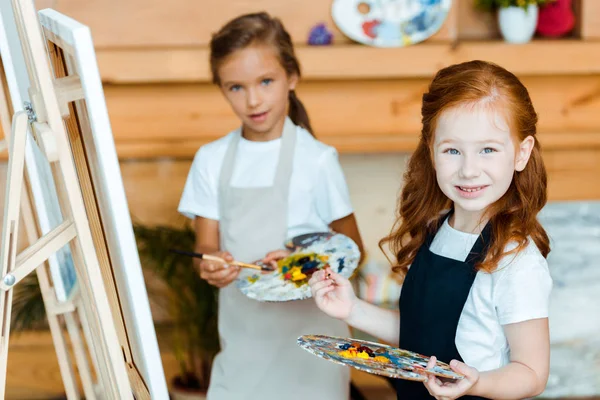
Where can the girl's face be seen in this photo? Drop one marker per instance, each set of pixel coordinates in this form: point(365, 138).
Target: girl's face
point(257, 88)
point(475, 157)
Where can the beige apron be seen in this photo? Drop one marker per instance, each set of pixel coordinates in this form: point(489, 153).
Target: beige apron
point(259, 358)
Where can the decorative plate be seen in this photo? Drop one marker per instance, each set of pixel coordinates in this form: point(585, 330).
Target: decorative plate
point(390, 23)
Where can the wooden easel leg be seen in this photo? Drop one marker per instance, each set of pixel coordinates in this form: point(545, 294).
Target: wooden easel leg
point(86, 332)
point(79, 350)
point(64, 362)
point(10, 232)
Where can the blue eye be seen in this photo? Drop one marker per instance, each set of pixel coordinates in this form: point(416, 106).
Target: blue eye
point(266, 82)
point(452, 151)
point(489, 150)
point(235, 88)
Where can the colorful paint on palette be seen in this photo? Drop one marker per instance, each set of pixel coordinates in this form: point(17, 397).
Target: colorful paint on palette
point(374, 358)
point(299, 268)
point(309, 254)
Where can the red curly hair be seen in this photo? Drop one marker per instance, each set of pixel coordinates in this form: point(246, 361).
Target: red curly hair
point(513, 217)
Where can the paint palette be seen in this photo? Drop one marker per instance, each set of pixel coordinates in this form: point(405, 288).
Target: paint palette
point(310, 253)
point(374, 358)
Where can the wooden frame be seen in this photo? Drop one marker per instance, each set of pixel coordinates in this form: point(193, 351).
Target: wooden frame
point(111, 302)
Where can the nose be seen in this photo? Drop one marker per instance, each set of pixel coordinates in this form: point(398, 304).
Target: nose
point(253, 98)
point(470, 167)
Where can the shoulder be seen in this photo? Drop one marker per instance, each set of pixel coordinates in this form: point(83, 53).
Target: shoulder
point(210, 156)
point(310, 148)
point(527, 259)
point(524, 271)
point(215, 148)
point(522, 285)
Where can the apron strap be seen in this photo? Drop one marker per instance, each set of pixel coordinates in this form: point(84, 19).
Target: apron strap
point(286, 156)
point(479, 249)
point(228, 161)
point(481, 246)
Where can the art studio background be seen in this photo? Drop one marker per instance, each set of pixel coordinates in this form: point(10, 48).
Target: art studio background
point(153, 60)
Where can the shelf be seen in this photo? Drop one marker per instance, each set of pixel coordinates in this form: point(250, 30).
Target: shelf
point(540, 57)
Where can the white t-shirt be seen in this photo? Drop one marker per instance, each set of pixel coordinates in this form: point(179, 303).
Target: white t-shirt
point(518, 290)
point(318, 192)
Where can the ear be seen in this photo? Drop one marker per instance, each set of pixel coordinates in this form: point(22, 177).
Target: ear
point(292, 81)
point(523, 153)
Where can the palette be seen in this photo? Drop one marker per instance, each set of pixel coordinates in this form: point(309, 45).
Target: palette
point(310, 253)
point(374, 358)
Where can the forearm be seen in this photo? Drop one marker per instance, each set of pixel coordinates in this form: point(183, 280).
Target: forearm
point(376, 321)
point(513, 381)
point(206, 248)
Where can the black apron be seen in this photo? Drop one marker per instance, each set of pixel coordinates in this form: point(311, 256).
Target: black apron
point(432, 299)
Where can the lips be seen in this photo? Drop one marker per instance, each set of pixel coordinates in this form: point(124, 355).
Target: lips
point(259, 117)
point(471, 192)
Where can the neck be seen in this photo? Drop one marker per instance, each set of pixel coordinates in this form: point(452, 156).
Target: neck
point(274, 133)
point(468, 221)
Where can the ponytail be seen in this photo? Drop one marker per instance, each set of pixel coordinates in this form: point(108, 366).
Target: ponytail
point(298, 113)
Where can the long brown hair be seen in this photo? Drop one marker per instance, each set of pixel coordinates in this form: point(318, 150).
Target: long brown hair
point(259, 29)
point(513, 217)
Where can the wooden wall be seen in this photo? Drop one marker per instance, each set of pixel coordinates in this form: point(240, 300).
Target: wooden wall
point(153, 61)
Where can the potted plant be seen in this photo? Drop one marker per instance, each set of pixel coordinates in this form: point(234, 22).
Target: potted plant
point(517, 19)
point(192, 305)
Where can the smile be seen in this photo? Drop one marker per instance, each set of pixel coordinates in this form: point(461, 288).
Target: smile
point(471, 189)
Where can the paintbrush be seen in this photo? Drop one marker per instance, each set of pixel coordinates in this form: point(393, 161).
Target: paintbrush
point(219, 259)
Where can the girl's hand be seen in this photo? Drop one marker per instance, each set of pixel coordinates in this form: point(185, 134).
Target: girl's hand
point(451, 389)
point(274, 256)
point(333, 293)
point(216, 273)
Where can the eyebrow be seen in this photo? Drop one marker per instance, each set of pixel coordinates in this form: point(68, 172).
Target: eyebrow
point(269, 75)
point(495, 141)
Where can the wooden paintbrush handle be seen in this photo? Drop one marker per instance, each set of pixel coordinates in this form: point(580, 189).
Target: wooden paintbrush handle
point(238, 263)
point(213, 258)
point(245, 265)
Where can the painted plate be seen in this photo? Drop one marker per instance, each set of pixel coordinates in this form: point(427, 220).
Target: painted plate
point(374, 358)
point(390, 23)
point(310, 253)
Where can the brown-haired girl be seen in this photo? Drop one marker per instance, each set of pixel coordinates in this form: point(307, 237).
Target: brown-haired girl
point(248, 192)
point(467, 243)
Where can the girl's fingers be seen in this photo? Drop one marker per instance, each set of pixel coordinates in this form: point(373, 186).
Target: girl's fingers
point(222, 274)
point(320, 285)
point(320, 294)
point(275, 255)
point(337, 278)
point(316, 277)
point(227, 279)
point(431, 362)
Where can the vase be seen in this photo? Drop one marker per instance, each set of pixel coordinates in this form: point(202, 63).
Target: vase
point(517, 25)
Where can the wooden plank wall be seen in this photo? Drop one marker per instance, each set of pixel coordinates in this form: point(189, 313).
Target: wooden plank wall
point(153, 60)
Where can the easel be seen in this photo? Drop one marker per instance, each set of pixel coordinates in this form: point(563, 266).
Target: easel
point(50, 103)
